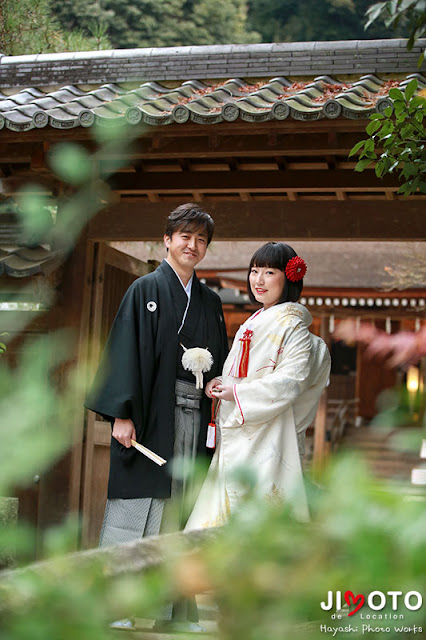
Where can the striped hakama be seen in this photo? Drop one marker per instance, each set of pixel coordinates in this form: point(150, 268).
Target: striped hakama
point(126, 520)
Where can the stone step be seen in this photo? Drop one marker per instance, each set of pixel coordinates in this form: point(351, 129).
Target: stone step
point(382, 459)
point(207, 611)
point(143, 630)
point(383, 454)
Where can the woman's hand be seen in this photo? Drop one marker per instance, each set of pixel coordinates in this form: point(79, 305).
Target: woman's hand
point(124, 431)
point(223, 392)
point(210, 386)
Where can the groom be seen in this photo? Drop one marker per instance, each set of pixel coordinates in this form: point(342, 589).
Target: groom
point(145, 392)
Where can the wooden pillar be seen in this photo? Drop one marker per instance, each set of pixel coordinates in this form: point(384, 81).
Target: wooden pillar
point(320, 429)
point(83, 271)
point(60, 485)
point(88, 535)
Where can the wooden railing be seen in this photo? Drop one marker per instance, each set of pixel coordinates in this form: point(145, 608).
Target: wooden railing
point(341, 414)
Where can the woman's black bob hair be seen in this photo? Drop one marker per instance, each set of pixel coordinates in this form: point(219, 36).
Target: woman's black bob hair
point(276, 255)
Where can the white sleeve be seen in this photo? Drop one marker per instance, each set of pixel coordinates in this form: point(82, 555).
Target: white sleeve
point(263, 399)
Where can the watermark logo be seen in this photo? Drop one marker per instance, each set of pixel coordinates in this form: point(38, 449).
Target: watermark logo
point(374, 608)
point(358, 601)
point(375, 600)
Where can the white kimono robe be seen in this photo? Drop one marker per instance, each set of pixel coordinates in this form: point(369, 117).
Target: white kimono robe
point(264, 427)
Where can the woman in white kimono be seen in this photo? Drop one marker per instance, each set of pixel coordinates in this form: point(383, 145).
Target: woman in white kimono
point(268, 393)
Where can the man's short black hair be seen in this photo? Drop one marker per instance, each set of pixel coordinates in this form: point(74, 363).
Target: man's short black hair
point(190, 217)
point(276, 255)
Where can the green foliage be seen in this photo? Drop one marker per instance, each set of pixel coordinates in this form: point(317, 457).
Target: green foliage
point(37, 398)
point(86, 175)
point(410, 13)
point(267, 572)
point(28, 26)
point(399, 407)
point(81, 15)
point(2, 344)
point(70, 25)
point(36, 417)
point(397, 139)
point(306, 20)
point(270, 574)
point(8, 520)
point(216, 22)
point(159, 23)
point(75, 25)
point(35, 214)
point(65, 603)
point(71, 163)
point(146, 23)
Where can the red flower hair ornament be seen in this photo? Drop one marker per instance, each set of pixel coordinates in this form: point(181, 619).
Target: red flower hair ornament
point(295, 269)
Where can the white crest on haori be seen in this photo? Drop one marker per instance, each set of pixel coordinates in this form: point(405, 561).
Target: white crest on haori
point(198, 361)
point(151, 306)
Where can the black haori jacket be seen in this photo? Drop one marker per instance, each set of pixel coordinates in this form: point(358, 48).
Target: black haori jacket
point(137, 374)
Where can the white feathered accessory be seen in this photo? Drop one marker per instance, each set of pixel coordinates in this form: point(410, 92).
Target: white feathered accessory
point(198, 361)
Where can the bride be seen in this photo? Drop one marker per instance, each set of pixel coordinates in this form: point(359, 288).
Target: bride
point(267, 395)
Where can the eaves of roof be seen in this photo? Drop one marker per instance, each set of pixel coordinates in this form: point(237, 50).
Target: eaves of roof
point(210, 84)
point(22, 262)
point(19, 260)
point(155, 104)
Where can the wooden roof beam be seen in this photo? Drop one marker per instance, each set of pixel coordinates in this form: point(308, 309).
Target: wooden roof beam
point(332, 220)
point(227, 129)
point(254, 181)
point(293, 144)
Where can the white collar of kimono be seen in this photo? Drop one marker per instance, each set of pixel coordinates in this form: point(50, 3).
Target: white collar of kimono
point(187, 290)
point(291, 307)
point(188, 287)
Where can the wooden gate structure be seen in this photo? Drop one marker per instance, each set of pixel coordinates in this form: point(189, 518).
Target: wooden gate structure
point(259, 134)
point(113, 274)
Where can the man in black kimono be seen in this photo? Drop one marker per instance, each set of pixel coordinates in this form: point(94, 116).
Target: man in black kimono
point(144, 390)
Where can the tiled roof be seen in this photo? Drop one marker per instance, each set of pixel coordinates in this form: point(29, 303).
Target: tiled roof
point(155, 104)
point(293, 59)
point(19, 260)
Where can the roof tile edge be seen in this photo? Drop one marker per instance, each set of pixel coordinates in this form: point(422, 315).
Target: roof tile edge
point(199, 50)
point(208, 62)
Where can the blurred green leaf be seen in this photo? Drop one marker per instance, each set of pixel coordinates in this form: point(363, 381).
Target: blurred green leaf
point(115, 131)
point(35, 215)
point(72, 163)
point(30, 405)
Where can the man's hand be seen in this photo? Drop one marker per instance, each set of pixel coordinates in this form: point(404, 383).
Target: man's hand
point(210, 386)
point(124, 431)
point(223, 392)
